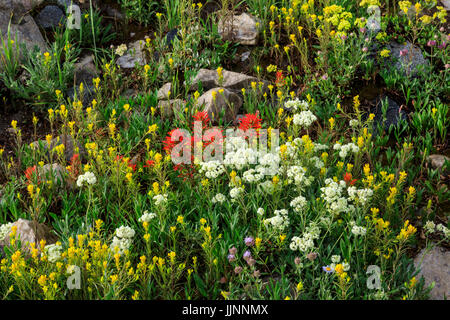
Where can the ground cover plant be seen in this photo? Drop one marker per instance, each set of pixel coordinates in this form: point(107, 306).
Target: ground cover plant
point(276, 149)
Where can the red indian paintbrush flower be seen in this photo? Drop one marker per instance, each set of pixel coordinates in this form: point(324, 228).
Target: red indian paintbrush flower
point(348, 179)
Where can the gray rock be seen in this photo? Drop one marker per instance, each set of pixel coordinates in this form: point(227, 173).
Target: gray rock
point(394, 115)
point(438, 160)
point(23, 30)
point(19, 5)
point(85, 71)
point(435, 267)
point(226, 102)
point(408, 63)
point(54, 172)
point(50, 17)
point(163, 92)
point(135, 55)
point(231, 80)
point(170, 108)
point(116, 14)
point(65, 3)
point(446, 4)
point(30, 232)
point(239, 28)
point(69, 150)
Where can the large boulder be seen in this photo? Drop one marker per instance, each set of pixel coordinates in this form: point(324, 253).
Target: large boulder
point(239, 28)
point(394, 114)
point(231, 80)
point(30, 232)
point(71, 147)
point(220, 100)
point(406, 58)
point(23, 30)
point(435, 267)
point(19, 5)
point(169, 108)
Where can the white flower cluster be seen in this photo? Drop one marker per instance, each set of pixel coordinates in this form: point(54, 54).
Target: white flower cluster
point(279, 221)
point(345, 149)
point(353, 123)
point(296, 104)
point(297, 175)
point(5, 230)
point(304, 119)
point(218, 198)
point(360, 195)
point(160, 199)
point(260, 211)
point(332, 193)
point(298, 204)
point(254, 175)
point(431, 227)
point(88, 177)
point(235, 193)
point(53, 252)
point(122, 239)
point(238, 154)
point(305, 243)
point(212, 169)
point(357, 230)
point(147, 217)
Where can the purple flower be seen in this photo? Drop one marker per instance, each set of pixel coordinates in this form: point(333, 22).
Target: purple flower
point(447, 65)
point(324, 77)
point(344, 37)
point(431, 43)
point(328, 269)
point(362, 30)
point(403, 52)
point(249, 241)
point(442, 45)
point(231, 257)
point(365, 49)
point(232, 251)
point(238, 270)
point(247, 255)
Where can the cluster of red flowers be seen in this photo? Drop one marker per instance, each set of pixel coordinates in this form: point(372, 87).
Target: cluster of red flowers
point(280, 81)
point(348, 178)
point(75, 166)
point(249, 121)
point(31, 174)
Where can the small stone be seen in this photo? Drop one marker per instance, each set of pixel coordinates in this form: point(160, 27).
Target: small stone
point(134, 56)
point(437, 161)
point(50, 17)
point(163, 92)
point(239, 28)
point(435, 266)
point(226, 102)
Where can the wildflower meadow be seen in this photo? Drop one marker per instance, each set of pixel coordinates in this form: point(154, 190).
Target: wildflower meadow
point(224, 150)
